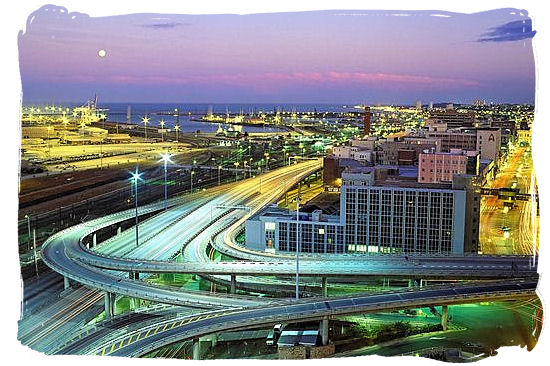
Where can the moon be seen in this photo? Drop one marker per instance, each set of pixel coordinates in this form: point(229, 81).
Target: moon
point(101, 53)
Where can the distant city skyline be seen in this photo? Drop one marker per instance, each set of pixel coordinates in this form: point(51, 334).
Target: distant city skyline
point(325, 57)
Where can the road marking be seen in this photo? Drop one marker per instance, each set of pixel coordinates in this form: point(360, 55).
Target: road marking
point(138, 337)
point(121, 343)
point(147, 334)
point(130, 339)
point(112, 347)
point(103, 352)
point(156, 330)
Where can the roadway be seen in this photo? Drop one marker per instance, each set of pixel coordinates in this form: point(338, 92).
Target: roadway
point(504, 231)
point(145, 339)
point(58, 251)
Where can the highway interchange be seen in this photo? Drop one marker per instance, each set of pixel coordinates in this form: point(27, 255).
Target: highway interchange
point(216, 215)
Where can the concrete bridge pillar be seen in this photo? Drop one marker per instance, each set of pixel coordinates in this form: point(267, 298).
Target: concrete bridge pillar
point(113, 303)
point(108, 308)
point(233, 288)
point(118, 231)
point(324, 286)
point(444, 317)
point(196, 349)
point(423, 283)
point(324, 330)
point(411, 283)
point(66, 283)
point(94, 240)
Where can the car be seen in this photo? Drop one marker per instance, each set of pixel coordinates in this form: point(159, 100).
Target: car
point(505, 228)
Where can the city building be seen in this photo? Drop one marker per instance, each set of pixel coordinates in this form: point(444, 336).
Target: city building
point(488, 143)
point(383, 210)
point(453, 118)
point(405, 151)
point(463, 140)
point(437, 167)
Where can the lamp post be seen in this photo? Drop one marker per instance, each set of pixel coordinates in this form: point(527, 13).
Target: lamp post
point(161, 130)
point(145, 120)
point(165, 158)
point(260, 174)
point(244, 169)
point(177, 128)
point(297, 241)
point(266, 160)
point(136, 176)
point(49, 128)
point(236, 166)
point(29, 228)
point(192, 173)
point(219, 171)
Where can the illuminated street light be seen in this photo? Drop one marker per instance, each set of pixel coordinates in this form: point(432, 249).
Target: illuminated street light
point(145, 120)
point(297, 242)
point(219, 170)
point(162, 130)
point(136, 176)
point(192, 173)
point(29, 228)
point(236, 166)
point(177, 128)
point(166, 159)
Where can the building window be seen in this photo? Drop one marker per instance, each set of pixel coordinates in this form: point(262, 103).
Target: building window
point(270, 226)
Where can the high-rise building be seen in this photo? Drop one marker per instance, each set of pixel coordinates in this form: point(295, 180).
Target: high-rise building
point(419, 105)
point(381, 210)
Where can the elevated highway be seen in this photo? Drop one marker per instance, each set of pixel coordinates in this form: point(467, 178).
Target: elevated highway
point(145, 339)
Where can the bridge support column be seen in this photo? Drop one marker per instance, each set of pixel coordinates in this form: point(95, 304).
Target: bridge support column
point(196, 349)
point(113, 304)
point(66, 283)
point(423, 283)
point(118, 231)
point(324, 286)
point(411, 283)
point(94, 239)
point(444, 317)
point(108, 313)
point(233, 288)
point(324, 330)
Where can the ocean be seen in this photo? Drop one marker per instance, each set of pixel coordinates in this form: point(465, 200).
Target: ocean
point(117, 112)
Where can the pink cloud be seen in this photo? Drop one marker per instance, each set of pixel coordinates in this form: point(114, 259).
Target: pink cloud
point(275, 80)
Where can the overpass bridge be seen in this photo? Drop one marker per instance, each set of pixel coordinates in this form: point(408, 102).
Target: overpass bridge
point(145, 339)
point(508, 194)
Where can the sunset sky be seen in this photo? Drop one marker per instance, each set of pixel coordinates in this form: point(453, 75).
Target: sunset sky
point(307, 57)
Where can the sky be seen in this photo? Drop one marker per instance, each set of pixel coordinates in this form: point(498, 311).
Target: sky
point(387, 57)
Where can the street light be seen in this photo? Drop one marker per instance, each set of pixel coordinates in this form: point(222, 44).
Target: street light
point(28, 227)
point(236, 166)
point(136, 176)
point(145, 120)
point(162, 130)
point(177, 128)
point(219, 170)
point(192, 173)
point(297, 241)
point(166, 159)
point(260, 174)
